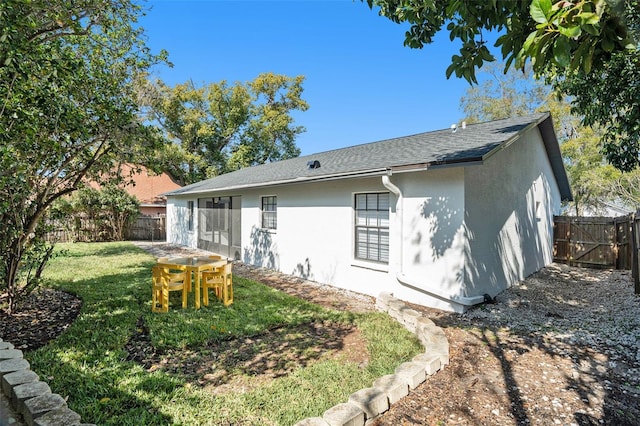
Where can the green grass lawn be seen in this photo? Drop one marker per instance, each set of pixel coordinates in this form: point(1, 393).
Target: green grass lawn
point(88, 362)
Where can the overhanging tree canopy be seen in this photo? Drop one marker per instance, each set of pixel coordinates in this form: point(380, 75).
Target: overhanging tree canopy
point(576, 45)
point(67, 109)
point(555, 35)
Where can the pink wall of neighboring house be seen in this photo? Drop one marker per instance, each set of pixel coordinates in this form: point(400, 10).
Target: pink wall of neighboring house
point(147, 187)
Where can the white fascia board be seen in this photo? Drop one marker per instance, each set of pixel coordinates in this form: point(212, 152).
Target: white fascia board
point(337, 176)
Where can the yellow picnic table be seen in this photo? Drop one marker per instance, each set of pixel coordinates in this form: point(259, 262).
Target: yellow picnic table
point(193, 266)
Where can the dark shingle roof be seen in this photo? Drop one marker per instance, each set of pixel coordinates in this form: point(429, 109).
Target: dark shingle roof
point(442, 147)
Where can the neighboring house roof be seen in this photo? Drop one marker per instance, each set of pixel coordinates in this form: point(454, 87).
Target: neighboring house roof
point(464, 146)
point(147, 187)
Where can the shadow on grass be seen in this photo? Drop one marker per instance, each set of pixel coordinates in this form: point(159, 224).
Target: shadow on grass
point(99, 397)
point(85, 362)
point(92, 363)
point(271, 354)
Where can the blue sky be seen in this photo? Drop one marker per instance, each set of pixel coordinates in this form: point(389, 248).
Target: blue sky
point(361, 83)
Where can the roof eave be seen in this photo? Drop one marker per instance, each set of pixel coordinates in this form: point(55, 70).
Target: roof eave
point(514, 138)
point(305, 179)
point(407, 168)
point(338, 176)
point(545, 125)
point(555, 157)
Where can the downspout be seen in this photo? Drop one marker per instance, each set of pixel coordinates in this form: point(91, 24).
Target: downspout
point(400, 275)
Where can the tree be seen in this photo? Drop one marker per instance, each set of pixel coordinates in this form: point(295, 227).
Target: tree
point(614, 106)
point(109, 209)
point(220, 127)
point(503, 95)
point(575, 45)
point(556, 36)
point(68, 109)
point(594, 183)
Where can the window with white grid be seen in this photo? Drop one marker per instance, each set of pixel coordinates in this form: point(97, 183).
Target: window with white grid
point(372, 227)
point(269, 212)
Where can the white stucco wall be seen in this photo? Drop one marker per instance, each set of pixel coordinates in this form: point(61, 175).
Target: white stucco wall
point(459, 231)
point(315, 235)
point(432, 232)
point(510, 201)
point(178, 222)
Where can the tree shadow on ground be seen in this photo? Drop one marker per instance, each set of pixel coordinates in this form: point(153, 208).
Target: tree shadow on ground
point(274, 353)
point(597, 371)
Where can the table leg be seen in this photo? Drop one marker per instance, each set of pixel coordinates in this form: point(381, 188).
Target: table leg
point(225, 293)
point(197, 284)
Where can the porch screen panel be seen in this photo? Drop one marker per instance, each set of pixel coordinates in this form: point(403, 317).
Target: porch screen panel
point(205, 224)
point(236, 221)
point(372, 226)
point(219, 225)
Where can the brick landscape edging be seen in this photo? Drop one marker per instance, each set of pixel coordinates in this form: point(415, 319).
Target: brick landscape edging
point(28, 395)
point(369, 403)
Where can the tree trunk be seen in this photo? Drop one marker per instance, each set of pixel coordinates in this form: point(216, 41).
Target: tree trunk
point(12, 263)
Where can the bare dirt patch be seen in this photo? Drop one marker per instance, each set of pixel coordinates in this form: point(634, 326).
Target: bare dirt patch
point(560, 348)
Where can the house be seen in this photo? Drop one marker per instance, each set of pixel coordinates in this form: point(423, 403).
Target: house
point(147, 187)
point(442, 219)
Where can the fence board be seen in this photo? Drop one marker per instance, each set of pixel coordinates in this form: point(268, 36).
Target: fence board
point(595, 242)
point(151, 228)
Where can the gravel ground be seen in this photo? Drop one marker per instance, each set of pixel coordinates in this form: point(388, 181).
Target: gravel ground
point(572, 307)
point(560, 348)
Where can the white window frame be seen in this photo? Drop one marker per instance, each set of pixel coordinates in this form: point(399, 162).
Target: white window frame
point(269, 218)
point(369, 222)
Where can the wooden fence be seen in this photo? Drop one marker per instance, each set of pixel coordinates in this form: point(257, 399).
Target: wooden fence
point(76, 229)
point(152, 228)
point(598, 242)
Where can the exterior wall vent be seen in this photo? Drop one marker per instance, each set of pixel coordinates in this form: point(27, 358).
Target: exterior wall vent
point(313, 164)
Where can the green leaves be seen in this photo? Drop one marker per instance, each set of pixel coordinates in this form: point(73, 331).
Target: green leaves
point(562, 51)
point(588, 18)
point(221, 127)
point(108, 210)
point(573, 35)
point(558, 37)
point(614, 107)
point(66, 70)
point(541, 11)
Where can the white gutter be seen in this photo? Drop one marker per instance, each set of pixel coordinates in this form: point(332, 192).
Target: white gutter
point(400, 275)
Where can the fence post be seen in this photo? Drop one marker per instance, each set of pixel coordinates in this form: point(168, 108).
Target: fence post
point(572, 247)
point(635, 242)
